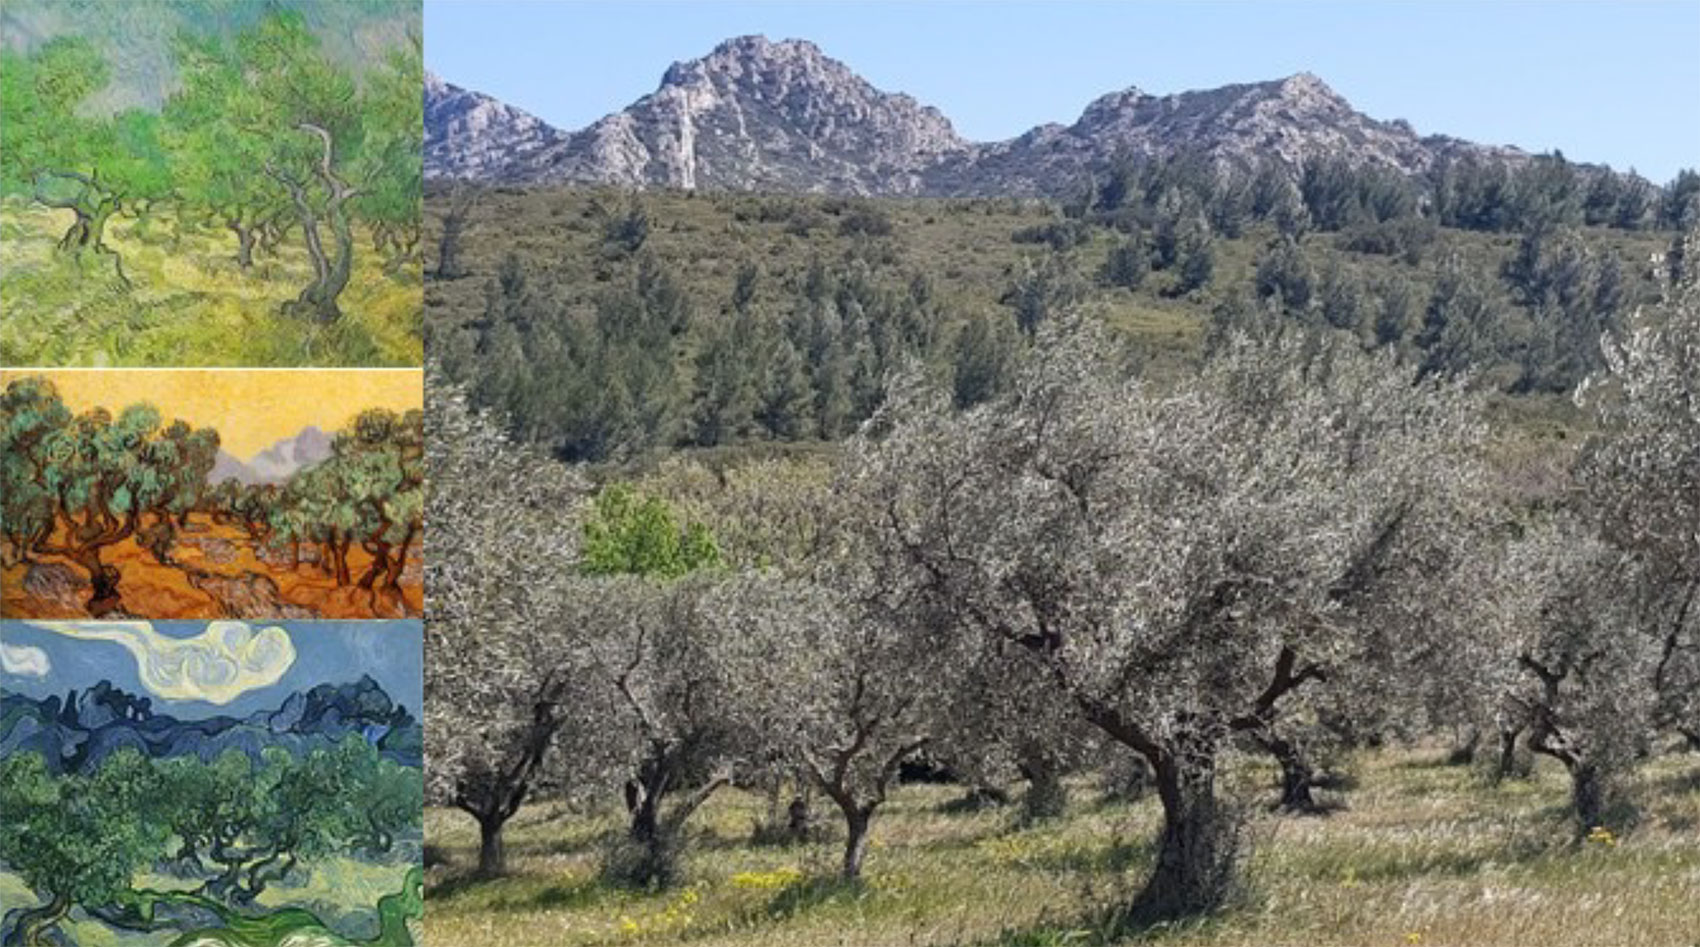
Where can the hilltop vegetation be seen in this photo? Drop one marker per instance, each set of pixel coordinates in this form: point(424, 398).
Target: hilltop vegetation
point(608, 326)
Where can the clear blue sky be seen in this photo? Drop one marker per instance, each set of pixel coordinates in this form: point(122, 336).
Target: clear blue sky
point(1614, 82)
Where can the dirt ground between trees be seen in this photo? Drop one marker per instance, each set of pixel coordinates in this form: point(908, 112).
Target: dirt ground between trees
point(217, 572)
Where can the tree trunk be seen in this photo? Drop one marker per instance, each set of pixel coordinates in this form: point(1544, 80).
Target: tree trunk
point(1587, 796)
point(245, 237)
point(797, 819)
point(1047, 796)
point(319, 300)
point(34, 923)
point(398, 562)
point(1195, 858)
point(103, 579)
point(646, 814)
point(380, 553)
point(1465, 752)
point(339, 560)
point(331, 270)
point(856, 822)
point(492, 855)
point(1297, 776)
point(1506, 767)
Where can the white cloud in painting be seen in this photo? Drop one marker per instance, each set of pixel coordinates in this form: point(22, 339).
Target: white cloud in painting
point(225, 661)
point(23, 660)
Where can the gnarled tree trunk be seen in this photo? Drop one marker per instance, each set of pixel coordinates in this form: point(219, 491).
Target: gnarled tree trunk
point(1196, 855)
point(331, 268)
point(34, 924)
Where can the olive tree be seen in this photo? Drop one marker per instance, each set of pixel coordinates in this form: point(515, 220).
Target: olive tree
point(1642, 477)
point(502, 689)
point(851, 686)
point(1584, 659)
point(1179, 561)
point(78, 839)
point(683, 715)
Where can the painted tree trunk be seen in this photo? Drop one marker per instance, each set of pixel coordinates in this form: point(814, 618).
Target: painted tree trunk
point(245, 237)
point(103, 580)
point(34, 924)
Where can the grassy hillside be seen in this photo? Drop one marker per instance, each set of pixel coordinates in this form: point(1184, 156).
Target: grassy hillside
point(189, 304)
point(1422, 854)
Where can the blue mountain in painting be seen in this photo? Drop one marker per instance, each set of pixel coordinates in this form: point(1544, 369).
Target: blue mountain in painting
point(82, 729)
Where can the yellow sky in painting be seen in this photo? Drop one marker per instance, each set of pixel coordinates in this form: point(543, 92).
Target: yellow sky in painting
point(251, 410)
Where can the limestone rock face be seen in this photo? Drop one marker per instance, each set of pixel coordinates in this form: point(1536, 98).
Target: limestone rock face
point(470, 135)
point(757, 115)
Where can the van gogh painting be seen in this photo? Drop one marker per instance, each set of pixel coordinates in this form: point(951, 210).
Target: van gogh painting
point(209, 493)
point(220, 784)
point(210, 183)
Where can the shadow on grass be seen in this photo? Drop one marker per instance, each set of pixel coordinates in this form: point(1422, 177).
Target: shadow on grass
point(1116, 857)
point(454, 885)
point(1374, 867)
point(812, 893)
point(578, 894)
point(1100, 928)
point(523, 892)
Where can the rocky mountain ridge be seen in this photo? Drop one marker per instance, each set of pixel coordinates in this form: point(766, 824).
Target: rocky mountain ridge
point(783, 116)
point(276, 463)
point(82, 729)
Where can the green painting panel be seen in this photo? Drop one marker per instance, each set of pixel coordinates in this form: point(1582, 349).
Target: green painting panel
point(211, 183)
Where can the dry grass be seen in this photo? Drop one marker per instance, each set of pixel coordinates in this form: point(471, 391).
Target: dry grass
point(190, 304)
point(1423, 854)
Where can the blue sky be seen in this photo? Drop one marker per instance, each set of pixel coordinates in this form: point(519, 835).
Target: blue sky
point(1617, 82)
point(326, 652)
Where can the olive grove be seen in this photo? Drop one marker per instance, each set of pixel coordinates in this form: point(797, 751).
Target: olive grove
point(1299, 549)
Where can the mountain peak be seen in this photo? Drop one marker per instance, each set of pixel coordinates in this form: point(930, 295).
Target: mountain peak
point(756, 114)
point(757, 60)
point(1307, 87)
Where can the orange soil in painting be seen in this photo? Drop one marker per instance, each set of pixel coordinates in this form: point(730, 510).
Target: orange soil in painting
point(200, 584)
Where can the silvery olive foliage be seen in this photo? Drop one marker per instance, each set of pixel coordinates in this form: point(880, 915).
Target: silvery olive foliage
point(853, 687)
point(1179, 560)
point(504, 683)
point(1582, 655)
point(1642, 479)
point(1000, 722)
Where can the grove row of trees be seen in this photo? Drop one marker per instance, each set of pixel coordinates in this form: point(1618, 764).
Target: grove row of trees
point(265, 135)
point(71, 486)
point(235, 825)
point(1300, 538)
point(370, 494)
